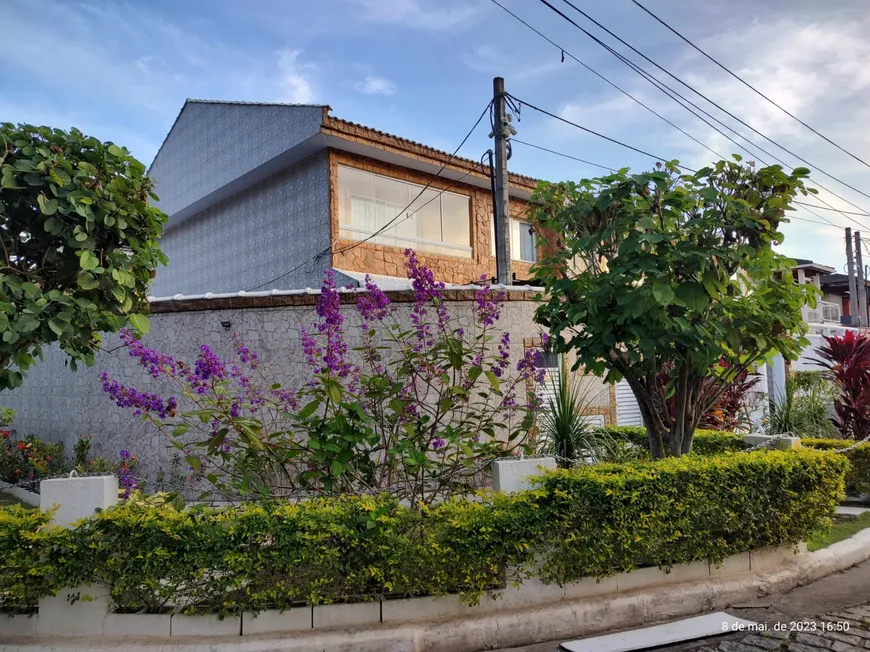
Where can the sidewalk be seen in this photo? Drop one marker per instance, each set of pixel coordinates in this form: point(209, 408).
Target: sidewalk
point(832, 596)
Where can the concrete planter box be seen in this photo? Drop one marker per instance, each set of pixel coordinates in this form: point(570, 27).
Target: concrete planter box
point(771, 559)
point(23, 626)
point(268, 622)
point(59, 617)
point(344, 615)
point(643, 578)
point(205, 625)
point(731, 566)
point(424, 608)
point(128, 625)
point(23, 495)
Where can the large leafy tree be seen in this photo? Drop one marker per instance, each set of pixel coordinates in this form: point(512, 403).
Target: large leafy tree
point(667, 271)
point(79, 244)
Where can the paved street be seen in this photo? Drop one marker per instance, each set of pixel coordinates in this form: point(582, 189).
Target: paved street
point(803, 620)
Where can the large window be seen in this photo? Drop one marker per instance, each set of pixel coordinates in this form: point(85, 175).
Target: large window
point(523, 243)
point(436, 222)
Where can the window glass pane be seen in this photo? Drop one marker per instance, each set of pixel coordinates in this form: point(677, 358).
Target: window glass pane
point(428, 214)
point(353, 184)
point(456, 219)
point(527, 243)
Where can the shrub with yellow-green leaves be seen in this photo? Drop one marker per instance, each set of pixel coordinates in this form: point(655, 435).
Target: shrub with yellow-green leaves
point(583, 522)
point(858, 476)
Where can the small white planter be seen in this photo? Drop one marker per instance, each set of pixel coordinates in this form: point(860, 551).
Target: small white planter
point(205, 625)
point(268, 622)
point(343, 615)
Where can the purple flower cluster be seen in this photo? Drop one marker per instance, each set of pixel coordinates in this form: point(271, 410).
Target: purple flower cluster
point(155, 362)
point(139, 402)
point(531, 366)
point(245, 354)
point(438, 443)
point(504, 354)
point(487, 305)
point(426, 291)
point(288, 399)
point(373, 306)
point(127, 480)
point(207, 370)
point(331, 358)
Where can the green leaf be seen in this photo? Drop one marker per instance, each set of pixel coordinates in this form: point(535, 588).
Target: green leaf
point(88, 261)
point(140, 323)
point(494, 381)
point(87, 281)
point(59, 176)
point(662, 293)
point(309, 409)
point(114, 150)
point(193, 462)
point(333, 390)
point(336, 467)
point(54, 327)
point(693, 296)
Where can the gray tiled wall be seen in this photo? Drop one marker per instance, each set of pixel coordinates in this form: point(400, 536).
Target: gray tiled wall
point(211, 145)
point(253, 236)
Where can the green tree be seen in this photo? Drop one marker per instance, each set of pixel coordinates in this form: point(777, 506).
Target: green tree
point(662, 271)
point(79, 244)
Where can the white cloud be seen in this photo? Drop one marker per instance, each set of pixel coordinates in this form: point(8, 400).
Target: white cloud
point(374, 85)
point(440, 15)
point(295, 77)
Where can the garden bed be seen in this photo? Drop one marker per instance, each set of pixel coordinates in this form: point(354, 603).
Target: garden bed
point(579, 525)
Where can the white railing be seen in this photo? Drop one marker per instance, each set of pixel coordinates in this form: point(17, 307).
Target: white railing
point(824, 312)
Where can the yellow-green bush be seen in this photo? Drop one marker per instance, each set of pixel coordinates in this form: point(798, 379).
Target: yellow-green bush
point(591, 521)
point(706, 442)
point(858, 476)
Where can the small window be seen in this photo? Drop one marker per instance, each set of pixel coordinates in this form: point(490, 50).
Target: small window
point(523, 241)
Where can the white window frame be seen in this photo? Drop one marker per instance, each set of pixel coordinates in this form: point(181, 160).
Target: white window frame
point(466, 251)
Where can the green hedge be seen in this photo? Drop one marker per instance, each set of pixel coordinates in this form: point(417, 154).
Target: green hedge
point(706, 442)
point(586, 522)
point(858, 476)
point(714, 442)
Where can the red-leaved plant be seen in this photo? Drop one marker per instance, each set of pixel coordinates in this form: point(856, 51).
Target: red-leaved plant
point(847, 359)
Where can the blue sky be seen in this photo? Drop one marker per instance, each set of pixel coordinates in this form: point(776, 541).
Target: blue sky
point(423, 69)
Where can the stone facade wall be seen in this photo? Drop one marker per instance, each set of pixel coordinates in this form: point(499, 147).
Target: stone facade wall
point(57, 404)
point(253, 237)
point(380, 259)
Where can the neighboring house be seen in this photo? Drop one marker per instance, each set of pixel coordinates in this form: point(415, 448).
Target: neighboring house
point(263, 196)
point(835, 305)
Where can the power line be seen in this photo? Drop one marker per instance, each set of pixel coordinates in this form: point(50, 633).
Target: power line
point(591, 131)
point(552, 151)
point(750, 86)
point(605, 79)
point(322, 253)
point(828, 208)
point(694, 90)
point(670, 93)
point(826, 221)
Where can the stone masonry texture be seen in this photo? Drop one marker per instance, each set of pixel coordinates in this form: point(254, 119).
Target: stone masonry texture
point(379, 259)
point(58, 404)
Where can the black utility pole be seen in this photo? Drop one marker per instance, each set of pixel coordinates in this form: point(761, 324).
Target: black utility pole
point(501, 201)
point(853, 286)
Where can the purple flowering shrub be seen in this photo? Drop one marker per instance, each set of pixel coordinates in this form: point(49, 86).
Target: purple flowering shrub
point(418, 412)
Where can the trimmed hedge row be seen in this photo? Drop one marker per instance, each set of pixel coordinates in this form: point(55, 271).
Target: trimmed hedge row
point(714, 442)
point(858, 476)
point(706, 442)
point(586, 522)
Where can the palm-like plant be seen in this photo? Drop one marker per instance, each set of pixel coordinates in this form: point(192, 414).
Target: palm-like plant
point(847, 359)
point(566, 431)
